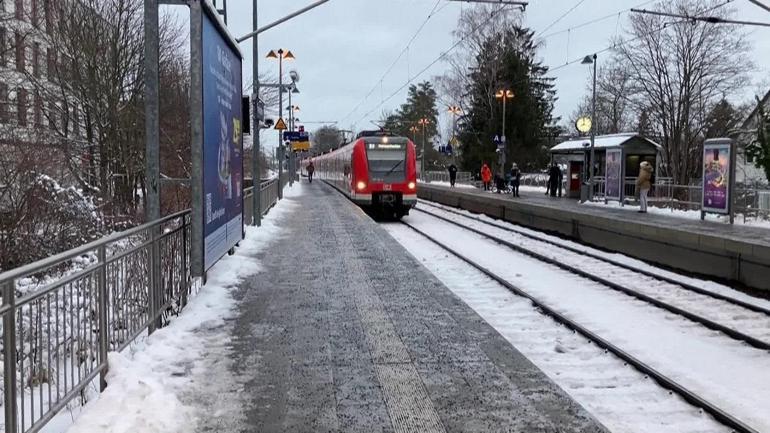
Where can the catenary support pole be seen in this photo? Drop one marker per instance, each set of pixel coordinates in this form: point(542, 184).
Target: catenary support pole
point(256, 174)
point(196, 129)
point(594, 124)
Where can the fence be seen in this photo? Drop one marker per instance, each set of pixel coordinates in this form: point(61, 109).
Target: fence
point(62, 315)
point(748, 202)
point(443, 176)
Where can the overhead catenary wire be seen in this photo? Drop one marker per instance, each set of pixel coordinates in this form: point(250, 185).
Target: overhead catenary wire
point(435, 10)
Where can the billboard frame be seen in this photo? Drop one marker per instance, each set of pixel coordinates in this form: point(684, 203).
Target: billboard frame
point(621, 175)
point(709, 146)
point(197, 10)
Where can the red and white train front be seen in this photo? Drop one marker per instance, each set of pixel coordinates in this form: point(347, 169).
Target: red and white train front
point(377, 172)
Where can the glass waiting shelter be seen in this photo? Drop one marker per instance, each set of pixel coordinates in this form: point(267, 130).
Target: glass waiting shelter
point(631, 148)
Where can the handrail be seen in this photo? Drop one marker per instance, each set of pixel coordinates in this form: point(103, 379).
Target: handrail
point(16, 273)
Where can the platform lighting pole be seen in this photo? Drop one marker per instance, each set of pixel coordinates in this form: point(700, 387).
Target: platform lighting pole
point(414, 131)
point(455, 111)
point(504, 95)
point(587, 61)
point(280, 54)
point(424, 122)
point(256, 174)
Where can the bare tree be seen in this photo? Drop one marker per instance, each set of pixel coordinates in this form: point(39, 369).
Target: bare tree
point(678, 71)
point(614, 111)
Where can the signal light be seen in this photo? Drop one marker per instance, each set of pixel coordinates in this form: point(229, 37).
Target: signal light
point(411, 185)
point(361, 185)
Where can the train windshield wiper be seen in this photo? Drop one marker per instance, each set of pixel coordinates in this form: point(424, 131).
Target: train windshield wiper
point(394, 167)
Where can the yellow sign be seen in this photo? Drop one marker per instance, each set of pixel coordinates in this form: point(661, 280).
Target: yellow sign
point(300, 146)
point(236, 131)
point(280, 125)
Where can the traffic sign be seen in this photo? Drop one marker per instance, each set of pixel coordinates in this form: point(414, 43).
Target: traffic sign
point(497, 139)
point(280, 124)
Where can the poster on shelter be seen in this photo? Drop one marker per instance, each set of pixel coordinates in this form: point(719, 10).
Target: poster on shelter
point(716, 177)
point(222, 145)
point(614, 174)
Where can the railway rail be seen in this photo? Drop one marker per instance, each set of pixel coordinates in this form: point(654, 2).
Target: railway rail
point(666, 293)
point(663, 380)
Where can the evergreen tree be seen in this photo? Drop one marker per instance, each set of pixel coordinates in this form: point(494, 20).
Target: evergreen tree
point(420, 104)
point(507, 60)
point(758, 152)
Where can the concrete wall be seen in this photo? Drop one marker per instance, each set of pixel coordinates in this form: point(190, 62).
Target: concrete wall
point(744, 262)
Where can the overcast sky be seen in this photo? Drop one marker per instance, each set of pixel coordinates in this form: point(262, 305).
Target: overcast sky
point(344, 46)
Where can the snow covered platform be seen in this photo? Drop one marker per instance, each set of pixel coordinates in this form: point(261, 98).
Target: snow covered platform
point(738, 253)
point(344, 331)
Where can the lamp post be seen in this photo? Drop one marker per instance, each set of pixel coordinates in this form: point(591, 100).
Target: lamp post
point(413, 129)
point(504, 95)
point(280, 54)
point(455, 111)
point(587, 61)
point(292, 120)
point(424, 122)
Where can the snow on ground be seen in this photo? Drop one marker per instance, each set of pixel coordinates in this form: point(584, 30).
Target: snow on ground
point(726, 372)
point(697, 282)
point(684, 214)
point(616, 394)
point(156, 386)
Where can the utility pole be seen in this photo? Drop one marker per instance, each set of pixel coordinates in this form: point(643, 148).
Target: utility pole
point(256, 174)
point(505, 95)
point(423, 168)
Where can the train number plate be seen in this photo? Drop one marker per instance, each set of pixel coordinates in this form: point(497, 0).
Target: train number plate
point(387, 187)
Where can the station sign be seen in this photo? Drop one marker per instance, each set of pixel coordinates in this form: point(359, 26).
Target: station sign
point(298, 140)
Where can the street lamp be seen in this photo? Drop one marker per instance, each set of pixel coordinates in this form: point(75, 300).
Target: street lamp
point(587, 61)
point(455, 111)
point(424, 122)
point(504, 95)
point(292, 120)
point(413, 129)
point(280, 55)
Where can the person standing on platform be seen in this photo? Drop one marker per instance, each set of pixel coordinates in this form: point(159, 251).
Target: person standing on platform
point(554, 175)
point(643, 185)
point(486, 176)
point(515, 179)
point(310, 170)
point(452, 174)
point(560, 180)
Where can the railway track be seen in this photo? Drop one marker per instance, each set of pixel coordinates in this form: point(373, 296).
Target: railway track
point(601, 381)
point(735, 318)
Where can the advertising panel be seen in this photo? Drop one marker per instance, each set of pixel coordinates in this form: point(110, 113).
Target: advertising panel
point(717, 162)
point(222, 145)
point(614, 176)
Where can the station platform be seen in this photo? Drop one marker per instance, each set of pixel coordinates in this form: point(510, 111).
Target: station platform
point(737, 253)
point(344, 331)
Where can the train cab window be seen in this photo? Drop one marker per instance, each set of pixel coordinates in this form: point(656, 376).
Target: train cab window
point(387, 165)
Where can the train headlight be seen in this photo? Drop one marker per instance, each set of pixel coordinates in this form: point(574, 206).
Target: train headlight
point(361, 185)
point(411, 185)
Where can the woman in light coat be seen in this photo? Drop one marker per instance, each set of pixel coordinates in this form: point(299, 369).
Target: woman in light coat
point(643, 184)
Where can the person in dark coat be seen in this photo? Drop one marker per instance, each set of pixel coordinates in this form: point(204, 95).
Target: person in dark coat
point(452, 174)
point(515, 179)
point(554, 174)
point(560, 179)
point(310, 170)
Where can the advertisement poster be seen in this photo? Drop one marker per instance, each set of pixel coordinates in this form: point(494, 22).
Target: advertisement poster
point(222, 145)
point(614, 175)
point(716, 177)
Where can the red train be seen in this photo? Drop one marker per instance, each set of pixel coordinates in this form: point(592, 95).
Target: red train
point(377, 171)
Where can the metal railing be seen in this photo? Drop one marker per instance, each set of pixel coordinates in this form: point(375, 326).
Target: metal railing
point(62, 315)
point(747, 201)
point(443, 176)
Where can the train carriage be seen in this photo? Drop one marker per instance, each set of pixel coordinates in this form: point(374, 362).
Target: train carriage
point(376, 171)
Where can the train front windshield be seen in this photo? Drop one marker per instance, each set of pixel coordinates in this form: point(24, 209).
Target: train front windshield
point(387, 165)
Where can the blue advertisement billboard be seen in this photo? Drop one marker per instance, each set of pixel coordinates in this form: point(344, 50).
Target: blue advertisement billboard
point(222, 145)
point(717, 170)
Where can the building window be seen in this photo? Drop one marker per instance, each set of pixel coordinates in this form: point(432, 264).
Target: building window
point(21, 107)
point(4, 116)
point(19, 39)
point(19, 10)
point(3, 46)
point(34, 11)
point(36, 59)
point(52, 110)
point(38, 110)
point(48, 17)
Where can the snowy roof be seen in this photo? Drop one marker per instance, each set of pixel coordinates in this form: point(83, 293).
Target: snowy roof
point(601, 142)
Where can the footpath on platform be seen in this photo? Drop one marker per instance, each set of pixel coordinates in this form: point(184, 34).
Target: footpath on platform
point(738, 253)
point(325, 323)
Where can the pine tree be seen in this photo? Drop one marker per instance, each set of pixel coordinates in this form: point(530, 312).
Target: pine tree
point(420, 104)
point(758, 152)
point(507, 60)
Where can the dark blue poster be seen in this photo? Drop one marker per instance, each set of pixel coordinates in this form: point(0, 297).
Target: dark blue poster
point(222, 145)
